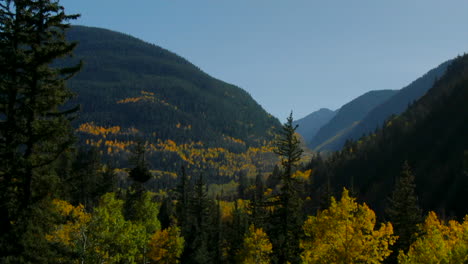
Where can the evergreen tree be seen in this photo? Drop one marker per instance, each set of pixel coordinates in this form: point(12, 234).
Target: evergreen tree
point(140, 174)
point(235, 231)
point(243, 185)
point(403, 211)
point(34, 127)
point(274, 178)
point(257, 205)
point(197, 235)
point(287, 229)
point(182, 192)
point(87, 182)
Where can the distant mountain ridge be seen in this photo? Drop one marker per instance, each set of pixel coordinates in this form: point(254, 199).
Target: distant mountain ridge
point(395, 105)
point(347, 117)
point(333, 134)
point(309, 126)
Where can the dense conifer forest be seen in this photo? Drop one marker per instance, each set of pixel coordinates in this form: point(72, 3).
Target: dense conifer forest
point(117, 151)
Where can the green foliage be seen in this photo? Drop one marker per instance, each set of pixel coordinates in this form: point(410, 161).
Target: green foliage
point(113, 239)
point(146, 213)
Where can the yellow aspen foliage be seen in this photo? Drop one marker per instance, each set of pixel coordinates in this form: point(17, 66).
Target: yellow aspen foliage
point(344, 233)
point(439, 243)
point(256, 248)
point(302, 175)
point(166, 246)
point(74, 228)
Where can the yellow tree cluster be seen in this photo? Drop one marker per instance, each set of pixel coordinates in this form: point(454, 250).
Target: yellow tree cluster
point(256, 248)
point(146, 97)
point(93, 129)
point(344, 233)
point(166, 246)
point(73, 230)
point(439, 243)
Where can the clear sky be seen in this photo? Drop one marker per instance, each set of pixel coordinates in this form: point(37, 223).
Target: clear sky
point(298, 55)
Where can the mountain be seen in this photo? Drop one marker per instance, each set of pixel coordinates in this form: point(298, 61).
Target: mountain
point(431, 135)
point(309, 126)
point(346, 118)
point(395, 105)
point(130, 83)
point(129, 89)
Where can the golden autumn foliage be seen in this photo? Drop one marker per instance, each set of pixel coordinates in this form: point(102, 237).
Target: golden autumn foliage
point(302, 175)
point(344, 233)
point(146, 97)
point(93, 129)
point(166, 246)
point(439, 243)
point(256, 248)
point(114, 141)
point(227, 208)
point(73, 230)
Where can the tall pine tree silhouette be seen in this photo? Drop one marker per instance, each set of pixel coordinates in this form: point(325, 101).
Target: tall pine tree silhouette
point(404, 212)
point(34, 126)
point(286, 232)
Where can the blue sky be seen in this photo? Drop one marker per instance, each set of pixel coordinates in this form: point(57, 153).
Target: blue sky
point(298, 55)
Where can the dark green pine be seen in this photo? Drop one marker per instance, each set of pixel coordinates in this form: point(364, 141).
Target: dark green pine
point(403, 211)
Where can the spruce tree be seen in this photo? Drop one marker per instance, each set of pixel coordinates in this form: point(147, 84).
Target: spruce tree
point(182, 192)
point(288, 217)
point(34, 125)
point(197, 250)
point(139, 174)
point(403, 211)
point(258, 205)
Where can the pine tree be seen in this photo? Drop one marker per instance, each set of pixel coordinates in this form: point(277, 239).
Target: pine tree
point(257, 205)
point(235, 231)
point(140, 174)
point(197, 250)
point(182, 192)
point(403, 211)
point(34, 126)
point(288, 215)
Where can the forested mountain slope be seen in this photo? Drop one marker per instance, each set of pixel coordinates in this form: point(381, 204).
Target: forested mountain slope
point(431, 135)
point(310, 125)
point(130, 83)
point(395, 105)
point(129, 89)
point(346, 118)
